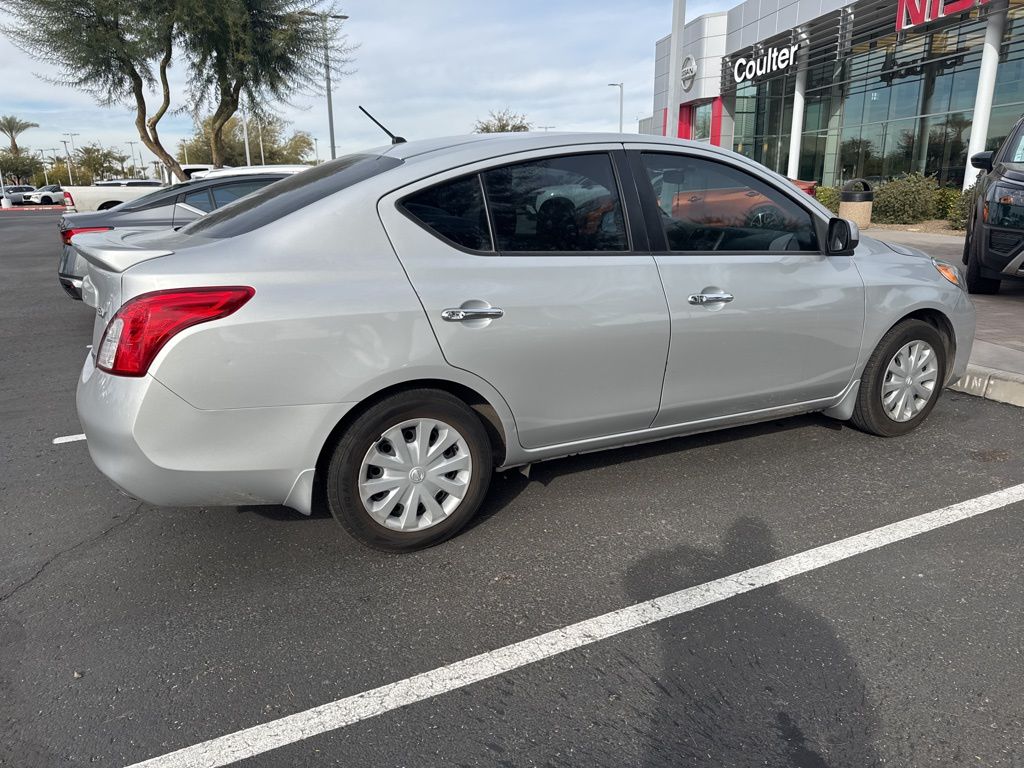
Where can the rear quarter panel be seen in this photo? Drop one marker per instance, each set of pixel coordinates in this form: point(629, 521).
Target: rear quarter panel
point(334, 318)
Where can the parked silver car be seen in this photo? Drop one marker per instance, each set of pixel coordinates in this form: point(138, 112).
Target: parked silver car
point(385, 330)
point(165, 208)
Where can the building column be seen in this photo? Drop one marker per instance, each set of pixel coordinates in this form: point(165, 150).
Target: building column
point(986, 87)
point(796, 129)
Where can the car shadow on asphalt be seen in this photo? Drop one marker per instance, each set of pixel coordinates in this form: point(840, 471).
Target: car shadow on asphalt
point(507, 486)
point(758, 680)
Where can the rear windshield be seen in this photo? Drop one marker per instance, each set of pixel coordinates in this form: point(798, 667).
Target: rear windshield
point(289, 195)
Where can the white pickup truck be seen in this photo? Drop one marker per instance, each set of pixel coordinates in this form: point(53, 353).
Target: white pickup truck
point(100, 197)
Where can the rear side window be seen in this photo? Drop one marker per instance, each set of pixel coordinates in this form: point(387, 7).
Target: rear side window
point(289, 195)
point(199, 200)
point(222, 195)
point(454, 210)
point(569, 203)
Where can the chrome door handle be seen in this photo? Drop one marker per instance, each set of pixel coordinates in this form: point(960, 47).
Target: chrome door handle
point(710, 298)
point(458, 315)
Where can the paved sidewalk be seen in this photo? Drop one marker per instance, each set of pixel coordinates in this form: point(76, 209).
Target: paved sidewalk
point(996, 370)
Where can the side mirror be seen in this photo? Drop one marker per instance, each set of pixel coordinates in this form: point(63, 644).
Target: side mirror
point(843, 237)
point(982, 161)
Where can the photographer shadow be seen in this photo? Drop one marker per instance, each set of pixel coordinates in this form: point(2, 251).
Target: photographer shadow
point(758, 680)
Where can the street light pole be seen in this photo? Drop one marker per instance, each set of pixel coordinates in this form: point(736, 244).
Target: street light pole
point(131, 148)
point(327, 71)
point(46, 176)
point(316, 150)
point(622, 90)
point(259, 127)
point(67, 159)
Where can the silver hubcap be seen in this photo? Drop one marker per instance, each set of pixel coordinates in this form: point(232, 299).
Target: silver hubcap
point(910, 380)
point(415, 475)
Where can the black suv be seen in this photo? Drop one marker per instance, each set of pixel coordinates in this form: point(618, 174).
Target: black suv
point(994, 248)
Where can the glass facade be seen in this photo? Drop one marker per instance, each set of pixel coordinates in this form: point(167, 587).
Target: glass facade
point(889, 103)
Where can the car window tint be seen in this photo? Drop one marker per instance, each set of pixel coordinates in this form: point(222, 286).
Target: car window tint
point(567, 203)
point(289, 195)
point(199, 199)
point(709, 206)
point(455, 211)
point(222, 195)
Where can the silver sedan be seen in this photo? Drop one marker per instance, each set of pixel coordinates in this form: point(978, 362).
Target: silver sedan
point(384, 331)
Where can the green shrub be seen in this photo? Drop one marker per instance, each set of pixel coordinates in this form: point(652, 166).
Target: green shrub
point(829, 197)
point(962, 209)
point(909, 199)
point(946, 201)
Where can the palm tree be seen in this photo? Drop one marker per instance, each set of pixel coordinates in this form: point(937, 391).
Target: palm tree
point(12, 127)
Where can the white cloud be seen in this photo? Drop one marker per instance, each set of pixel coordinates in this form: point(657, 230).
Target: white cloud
point(423, 70)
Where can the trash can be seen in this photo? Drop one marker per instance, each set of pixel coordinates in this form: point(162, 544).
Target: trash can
point(855, 204)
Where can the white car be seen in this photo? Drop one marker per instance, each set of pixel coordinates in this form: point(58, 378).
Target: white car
point(51, 194)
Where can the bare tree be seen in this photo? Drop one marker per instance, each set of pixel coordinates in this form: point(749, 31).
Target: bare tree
point(502, 121)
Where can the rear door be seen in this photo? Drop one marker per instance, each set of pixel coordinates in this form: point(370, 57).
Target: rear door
point(533, 279)
point(761, 317)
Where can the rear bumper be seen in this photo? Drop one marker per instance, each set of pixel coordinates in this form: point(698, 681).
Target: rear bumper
point(71, 269)
point(158, 448)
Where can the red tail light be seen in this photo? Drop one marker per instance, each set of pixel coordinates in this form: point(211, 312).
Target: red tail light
point(142, 327)
point(68, 199)
point(67, 234)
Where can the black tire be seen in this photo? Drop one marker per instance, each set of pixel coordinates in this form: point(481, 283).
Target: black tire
point(976, 282)
point(868, 414)
point(342, 480)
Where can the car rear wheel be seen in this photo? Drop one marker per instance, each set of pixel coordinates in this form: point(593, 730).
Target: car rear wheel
point(976, 282)
point(902, 380)
point(410, 472)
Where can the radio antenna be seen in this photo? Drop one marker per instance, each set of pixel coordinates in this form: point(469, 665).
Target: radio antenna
point(394, 139)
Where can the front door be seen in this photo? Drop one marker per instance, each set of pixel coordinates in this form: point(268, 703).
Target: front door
point(540, 291)
point(761, 318)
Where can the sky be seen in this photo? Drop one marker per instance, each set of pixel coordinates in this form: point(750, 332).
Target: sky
point(423, 69)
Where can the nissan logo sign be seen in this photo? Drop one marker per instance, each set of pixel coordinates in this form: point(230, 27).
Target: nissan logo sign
point(774, 60)
point(688, 73)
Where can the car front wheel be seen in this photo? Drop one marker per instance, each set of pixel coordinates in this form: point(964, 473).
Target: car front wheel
point(410, 472)
point(902, 380)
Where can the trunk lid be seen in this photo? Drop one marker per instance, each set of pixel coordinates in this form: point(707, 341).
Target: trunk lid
point(108, 255)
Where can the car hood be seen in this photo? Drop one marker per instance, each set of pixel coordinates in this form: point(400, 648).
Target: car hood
point(906, 250)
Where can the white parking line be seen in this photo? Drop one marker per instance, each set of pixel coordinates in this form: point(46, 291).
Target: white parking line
point(68, 439)
point(338, 714)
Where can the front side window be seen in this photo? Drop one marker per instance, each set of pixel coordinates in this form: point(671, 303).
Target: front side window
point(709, 206)
point(455, 211)
point(567, 203)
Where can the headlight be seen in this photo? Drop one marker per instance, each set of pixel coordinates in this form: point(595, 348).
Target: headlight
point(1007, 207)
point(948, 271)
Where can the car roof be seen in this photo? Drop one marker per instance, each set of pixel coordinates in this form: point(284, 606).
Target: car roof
point(483, 145)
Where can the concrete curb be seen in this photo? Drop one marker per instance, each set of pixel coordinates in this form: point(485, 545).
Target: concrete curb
point(992, 384)
point(33, 208)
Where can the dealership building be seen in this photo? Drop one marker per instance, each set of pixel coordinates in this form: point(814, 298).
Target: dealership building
point(832, 90)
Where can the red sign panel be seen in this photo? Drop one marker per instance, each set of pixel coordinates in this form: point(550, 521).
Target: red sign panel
point(910, 13)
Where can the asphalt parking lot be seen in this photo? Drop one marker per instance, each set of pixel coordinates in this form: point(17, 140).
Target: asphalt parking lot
point(128, 632)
